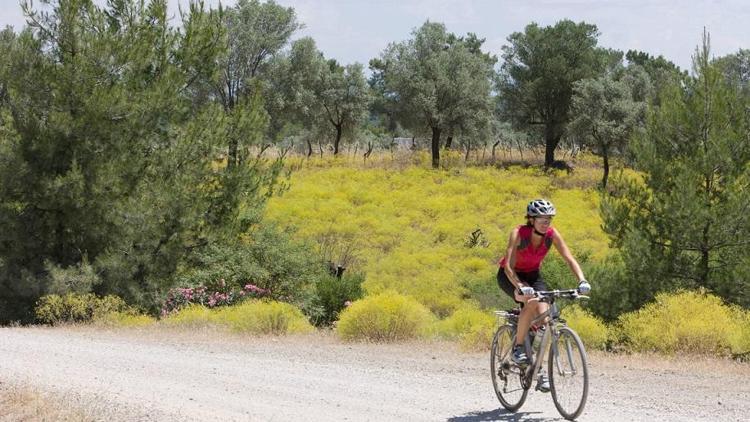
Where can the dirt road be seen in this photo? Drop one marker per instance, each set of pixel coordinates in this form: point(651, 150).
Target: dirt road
point(152, 375)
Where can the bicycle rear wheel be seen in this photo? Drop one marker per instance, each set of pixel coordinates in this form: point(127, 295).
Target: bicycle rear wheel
point(506, 376)
point(568, 373)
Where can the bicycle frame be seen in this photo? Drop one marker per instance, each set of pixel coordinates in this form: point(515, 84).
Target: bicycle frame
point(549, 320)
point(538, 356)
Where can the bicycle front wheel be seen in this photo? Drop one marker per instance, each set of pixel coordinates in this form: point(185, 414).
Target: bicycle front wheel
point(506, 376)
point(568, 373)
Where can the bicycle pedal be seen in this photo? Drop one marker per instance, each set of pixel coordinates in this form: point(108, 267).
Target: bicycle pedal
point(542, 389)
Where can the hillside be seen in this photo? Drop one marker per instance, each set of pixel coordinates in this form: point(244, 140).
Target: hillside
point(409, 228)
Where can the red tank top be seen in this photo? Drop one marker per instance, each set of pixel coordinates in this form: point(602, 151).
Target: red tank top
point(529, 258)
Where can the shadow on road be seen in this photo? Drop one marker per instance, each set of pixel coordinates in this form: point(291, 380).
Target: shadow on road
point(498, 414)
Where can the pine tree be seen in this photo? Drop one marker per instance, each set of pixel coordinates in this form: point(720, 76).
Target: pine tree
point(108, 156)
point(686, 222)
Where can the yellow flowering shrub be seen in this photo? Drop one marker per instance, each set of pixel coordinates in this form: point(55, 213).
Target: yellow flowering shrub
point(687, 321)
point(472, 327)
point(263, 317)
point(385, 317)
point(191, 316)
point(76, 308)
point(592, 330)
point(252, 317)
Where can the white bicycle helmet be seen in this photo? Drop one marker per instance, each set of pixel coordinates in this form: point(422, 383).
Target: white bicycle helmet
point(540, 208)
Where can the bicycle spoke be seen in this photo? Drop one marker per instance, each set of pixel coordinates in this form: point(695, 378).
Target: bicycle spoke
point(568, 373)
point(506, 377)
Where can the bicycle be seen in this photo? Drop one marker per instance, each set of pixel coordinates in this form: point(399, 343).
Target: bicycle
point(567, 366)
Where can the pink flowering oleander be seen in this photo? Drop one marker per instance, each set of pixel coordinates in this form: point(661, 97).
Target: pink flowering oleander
point(179, 297)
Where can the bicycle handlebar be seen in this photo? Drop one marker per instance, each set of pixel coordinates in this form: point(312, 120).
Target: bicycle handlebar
point(567, 294)
point(545, 296)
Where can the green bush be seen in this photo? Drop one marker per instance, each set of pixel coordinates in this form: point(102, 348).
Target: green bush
point(485, 292)
point(614, 291)
point(269, 259)
point(79, 279)
point(556, 271)
point(591, 329)
point(685, 321)
point(69, 308)
point(385, 317)
point(334, 294)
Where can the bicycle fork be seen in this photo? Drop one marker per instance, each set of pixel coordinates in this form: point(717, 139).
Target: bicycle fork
point(567, 353)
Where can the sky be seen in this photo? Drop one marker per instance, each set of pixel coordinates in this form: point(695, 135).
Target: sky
point(358, 30)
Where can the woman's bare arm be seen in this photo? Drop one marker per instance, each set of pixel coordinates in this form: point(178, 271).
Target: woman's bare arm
point(510, 261)
point(562, 248)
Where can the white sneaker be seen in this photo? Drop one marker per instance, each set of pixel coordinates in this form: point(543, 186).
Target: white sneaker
point(542, 382)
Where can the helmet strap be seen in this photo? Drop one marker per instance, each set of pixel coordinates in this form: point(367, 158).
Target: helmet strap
point(538, 232)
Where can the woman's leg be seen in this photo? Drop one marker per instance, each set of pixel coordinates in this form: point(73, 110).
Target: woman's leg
point(528, 313)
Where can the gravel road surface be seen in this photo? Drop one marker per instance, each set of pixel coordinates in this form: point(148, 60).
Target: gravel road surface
point(205, 375)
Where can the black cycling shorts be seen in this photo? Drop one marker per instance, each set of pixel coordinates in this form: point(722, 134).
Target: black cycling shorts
point(533, 279)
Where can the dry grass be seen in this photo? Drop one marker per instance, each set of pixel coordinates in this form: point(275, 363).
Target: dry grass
point(399, 159)
point(22, 403)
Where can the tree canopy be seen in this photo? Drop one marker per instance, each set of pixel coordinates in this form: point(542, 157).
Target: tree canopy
point(540, 66)
point(108, 156)
point(607, 110)
point(685, 223)
point(436, 82)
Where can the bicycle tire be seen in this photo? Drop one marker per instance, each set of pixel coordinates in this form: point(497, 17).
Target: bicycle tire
point(568, 369)
point(506, 376)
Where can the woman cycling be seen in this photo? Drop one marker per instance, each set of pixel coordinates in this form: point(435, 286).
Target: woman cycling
point(519, 273)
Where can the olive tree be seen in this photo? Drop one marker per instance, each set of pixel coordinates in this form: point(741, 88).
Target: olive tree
point(606, 110)
point(436, 82)
point(540, 66)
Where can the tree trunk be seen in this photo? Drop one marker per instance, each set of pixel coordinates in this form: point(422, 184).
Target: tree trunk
point(705, 251)
point(468, 150)
point(338, 139)
point(435, 147)
point(605, 155)
point(493, 150)
point(520, 150)
point(309, 148)
point(368, 152)
point(232, 153)
point(550, 144)
point(448, 142)
point(705, 244)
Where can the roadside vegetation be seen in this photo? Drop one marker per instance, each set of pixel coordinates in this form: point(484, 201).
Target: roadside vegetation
point(22, 403)
point(391, 211)
point(218, 173)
